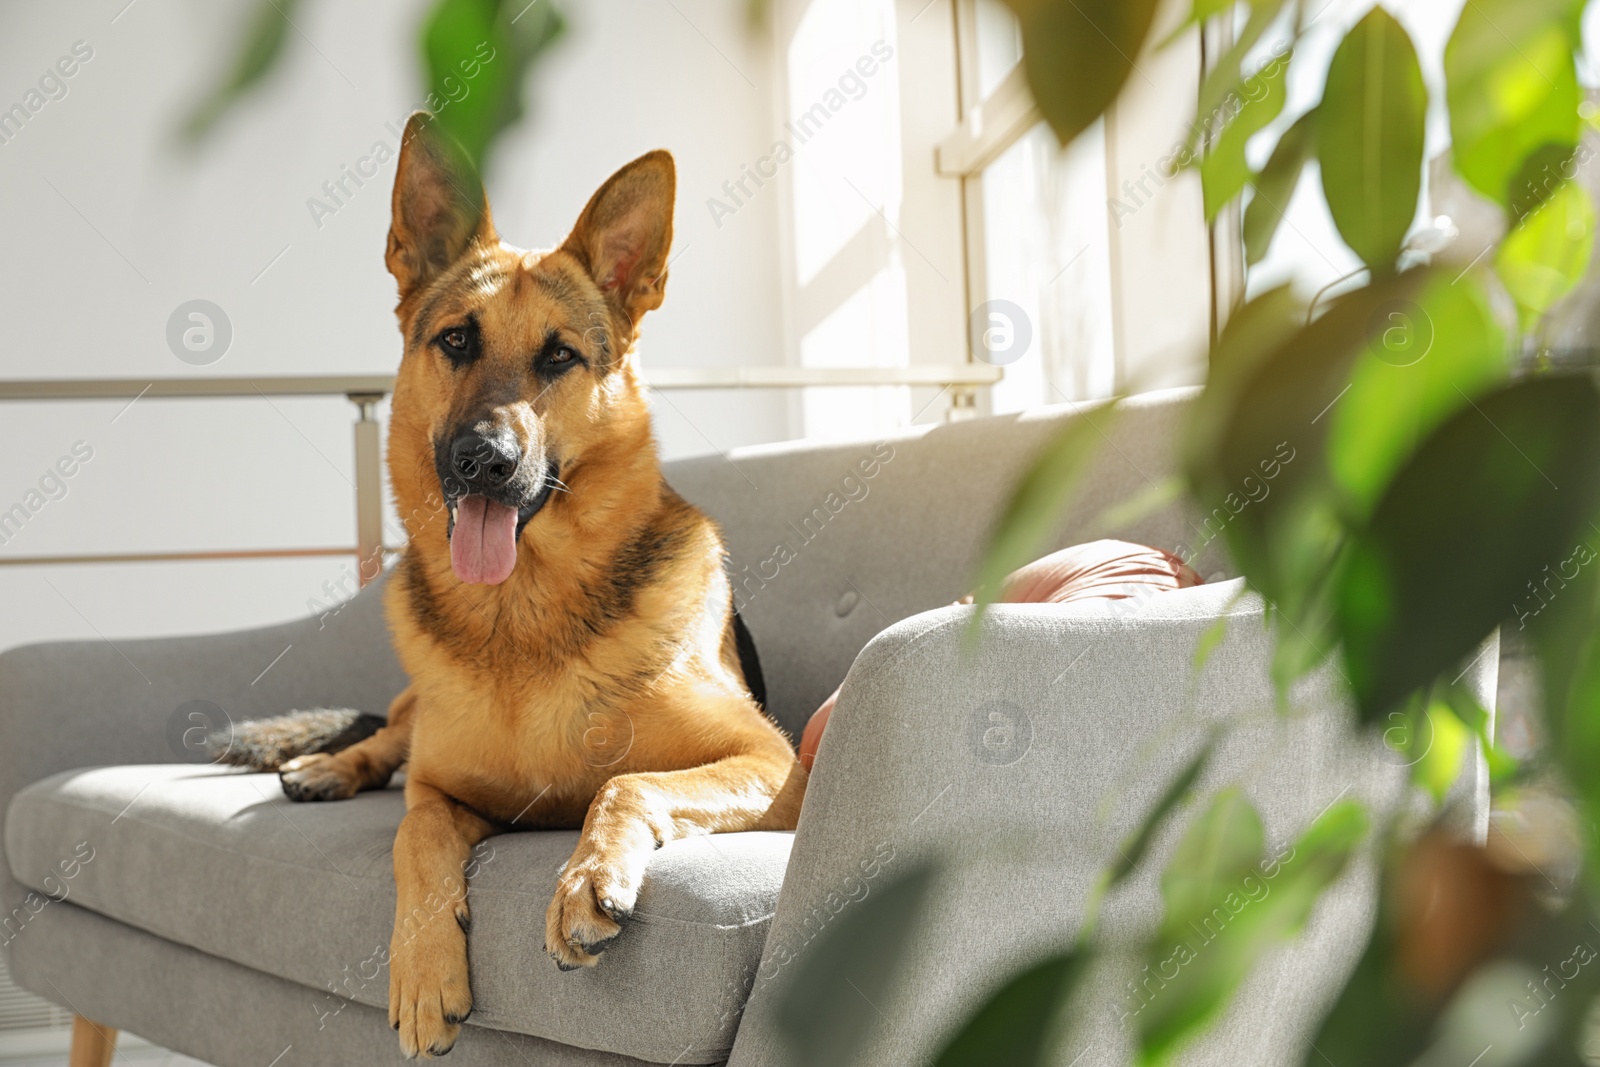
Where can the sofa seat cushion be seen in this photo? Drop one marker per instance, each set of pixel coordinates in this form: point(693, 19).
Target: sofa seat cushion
point(221, 861)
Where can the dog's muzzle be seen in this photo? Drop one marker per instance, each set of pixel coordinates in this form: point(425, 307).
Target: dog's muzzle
point(491, 491)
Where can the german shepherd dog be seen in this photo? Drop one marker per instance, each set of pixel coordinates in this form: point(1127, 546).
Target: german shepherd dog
point(568, 628)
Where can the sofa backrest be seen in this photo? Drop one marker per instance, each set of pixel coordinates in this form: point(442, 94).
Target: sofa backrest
point(831, 543)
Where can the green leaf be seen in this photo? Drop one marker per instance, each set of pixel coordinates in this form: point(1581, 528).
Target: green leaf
point(1274, 186)
point(827, 1010)
point(1037, 505)
point(1504, 768)
point(1133, 849)
point(1078, 55)
point(1512, 86)
point(1499, 491)
point(1422, 361)
point(1561, 610)
point(477, 54)
point(258, 52)
point(1273, 382)
point(1255, 444)
point(1546, 255)
point(1198, 971)
point(1224, 79)
point(1216, 853)
point(1255, 332)
point(1224, 170)
point(1440, 765)
point(1540, 177)
point(1019, 1025)
point(1327, 846)
point(1303, 554)
point(1370, 138)
point(1377, 1021)
point(1254, 454)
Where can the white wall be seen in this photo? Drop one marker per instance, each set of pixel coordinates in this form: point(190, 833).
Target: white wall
point(106, 227)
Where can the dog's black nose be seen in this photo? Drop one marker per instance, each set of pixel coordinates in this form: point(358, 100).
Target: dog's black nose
point(484, 463)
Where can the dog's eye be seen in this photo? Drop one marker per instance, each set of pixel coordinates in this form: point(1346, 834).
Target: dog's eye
point(555, 358)
point(459, 343)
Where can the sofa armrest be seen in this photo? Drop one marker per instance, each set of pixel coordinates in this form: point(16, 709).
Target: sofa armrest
point(1023, 765)
point(88, 703)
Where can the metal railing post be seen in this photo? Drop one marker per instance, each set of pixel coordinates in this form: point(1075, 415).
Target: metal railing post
point(369, 489)
point(963, 404)
point(366, 391)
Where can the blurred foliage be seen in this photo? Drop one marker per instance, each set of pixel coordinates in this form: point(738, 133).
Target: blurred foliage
point(1274, 185)
point(1224, 170)
point(1223, 82)
point(1078, 56)
point(258, 53)
point(1131, 851)
point(1036, 510)
point(1543, 258)
point(1222, 916)
point(1369, 138)
point(474, 55)
point(842, 982)
point(476, 97)
point(1426, 489)
point(1503, 487)
point(1429, 484)
point(1512, 86)
point(1019, 1024)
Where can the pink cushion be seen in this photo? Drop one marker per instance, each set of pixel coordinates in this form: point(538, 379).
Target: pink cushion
point(1099, 570)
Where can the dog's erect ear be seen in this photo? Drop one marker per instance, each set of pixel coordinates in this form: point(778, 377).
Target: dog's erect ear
point(439, 205)
point(625, 232)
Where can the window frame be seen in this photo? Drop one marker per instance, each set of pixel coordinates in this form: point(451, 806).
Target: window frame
point(1173, 277)
point(1138, 128)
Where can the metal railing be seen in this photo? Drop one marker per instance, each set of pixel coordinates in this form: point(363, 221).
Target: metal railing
point(366, 391)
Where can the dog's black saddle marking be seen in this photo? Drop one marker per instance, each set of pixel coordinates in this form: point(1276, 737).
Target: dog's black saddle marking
point(749, 661)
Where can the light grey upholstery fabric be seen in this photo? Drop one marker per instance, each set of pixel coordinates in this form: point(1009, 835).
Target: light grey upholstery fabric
point(913, 765)
point(1023, 769)
point(912, 537)
point(231, 1015)
point(223, 862)
point(81, 703)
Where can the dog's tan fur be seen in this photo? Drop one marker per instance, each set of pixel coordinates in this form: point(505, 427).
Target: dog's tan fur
point(600, 684)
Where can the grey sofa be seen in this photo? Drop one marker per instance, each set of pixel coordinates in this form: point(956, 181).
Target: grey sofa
point(199, 908)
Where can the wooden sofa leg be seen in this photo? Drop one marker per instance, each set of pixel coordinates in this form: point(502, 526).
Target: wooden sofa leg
point(92, 1044)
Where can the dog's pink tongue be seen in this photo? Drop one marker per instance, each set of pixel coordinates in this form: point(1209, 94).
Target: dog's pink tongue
point(483, 548)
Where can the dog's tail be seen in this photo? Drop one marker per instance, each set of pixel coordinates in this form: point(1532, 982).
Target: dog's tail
point(267, 744)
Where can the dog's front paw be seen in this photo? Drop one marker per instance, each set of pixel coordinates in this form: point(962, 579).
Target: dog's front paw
point(429, 995)
point(592, 900)
point(318, 776)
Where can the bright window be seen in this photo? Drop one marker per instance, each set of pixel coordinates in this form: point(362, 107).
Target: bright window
point(931, 216)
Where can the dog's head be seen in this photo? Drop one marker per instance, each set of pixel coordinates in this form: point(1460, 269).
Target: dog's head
point(518, 366)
